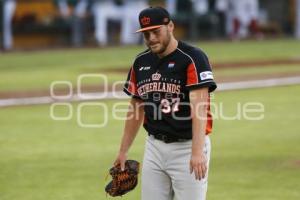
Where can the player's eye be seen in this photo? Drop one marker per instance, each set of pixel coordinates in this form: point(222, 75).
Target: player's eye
point(146, 35)
point(156, 31)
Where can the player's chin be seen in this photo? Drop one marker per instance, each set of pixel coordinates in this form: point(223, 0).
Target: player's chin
point(155, 48)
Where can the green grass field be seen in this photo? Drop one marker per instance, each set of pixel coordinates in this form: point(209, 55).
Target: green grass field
point(28, 71)
point(41, 158)
point(58, 160)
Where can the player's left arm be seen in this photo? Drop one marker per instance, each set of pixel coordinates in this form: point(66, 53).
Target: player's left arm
point(200, 82)
point(199, 102)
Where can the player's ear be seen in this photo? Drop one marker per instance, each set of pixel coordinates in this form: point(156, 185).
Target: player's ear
point(171, 26)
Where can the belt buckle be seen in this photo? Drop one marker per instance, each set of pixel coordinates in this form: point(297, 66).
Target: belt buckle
point(165, 138)
point(162, 137)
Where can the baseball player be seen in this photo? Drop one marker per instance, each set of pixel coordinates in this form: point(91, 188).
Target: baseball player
point(9, 7)
point(170, 84)
point(297, 22)
point(125, 12)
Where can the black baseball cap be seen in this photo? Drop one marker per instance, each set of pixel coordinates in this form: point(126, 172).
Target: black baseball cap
point(152, 18)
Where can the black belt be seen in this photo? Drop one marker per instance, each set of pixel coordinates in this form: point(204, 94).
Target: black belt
point(168, 139)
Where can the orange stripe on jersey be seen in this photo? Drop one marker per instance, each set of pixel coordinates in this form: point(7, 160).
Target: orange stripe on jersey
point(209, 122)
point(145, 119)
point(132, 82)
point(192, 77)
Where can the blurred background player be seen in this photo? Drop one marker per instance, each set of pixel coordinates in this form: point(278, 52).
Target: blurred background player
point(124, 11)
point(77, 17)
point(199, 6)
point(103, 22)
point(191, 13)
point(238, 19)
point(9, 7)
point(243, 15)
point(297, 25)
point(222, 9)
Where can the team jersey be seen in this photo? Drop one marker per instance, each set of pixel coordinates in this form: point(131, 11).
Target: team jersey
point(164, 85)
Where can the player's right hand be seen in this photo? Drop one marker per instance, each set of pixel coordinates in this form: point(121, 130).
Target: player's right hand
point(121, 158)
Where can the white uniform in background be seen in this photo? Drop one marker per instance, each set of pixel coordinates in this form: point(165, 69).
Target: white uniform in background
point(103, 11)
point(200, 6)
point(129, 22)
point(245, 11)
point(63, 8)
point(171, 6)
point(79, 10)
point(297, 25)
point(9, 7)
point(77, 17)
point(127, 14)
point(223, 6)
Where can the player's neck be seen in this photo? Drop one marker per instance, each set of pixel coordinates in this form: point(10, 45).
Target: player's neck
point(170, 48)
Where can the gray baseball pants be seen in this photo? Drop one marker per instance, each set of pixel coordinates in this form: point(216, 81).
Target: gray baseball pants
point(166, 171)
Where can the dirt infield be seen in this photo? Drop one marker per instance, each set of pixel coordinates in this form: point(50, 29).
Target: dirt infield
point(219, 79)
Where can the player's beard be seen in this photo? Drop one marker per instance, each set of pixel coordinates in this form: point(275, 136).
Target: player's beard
point(160, 47)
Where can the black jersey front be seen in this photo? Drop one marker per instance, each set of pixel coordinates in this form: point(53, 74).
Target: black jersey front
point(164, 84)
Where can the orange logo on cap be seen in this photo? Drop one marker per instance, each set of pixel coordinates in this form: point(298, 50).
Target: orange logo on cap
point(145, 21)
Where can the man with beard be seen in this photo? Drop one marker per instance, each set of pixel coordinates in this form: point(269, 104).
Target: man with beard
point(177, 121)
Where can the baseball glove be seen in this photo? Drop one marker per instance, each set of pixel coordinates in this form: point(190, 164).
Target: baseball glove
point(123, 181)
